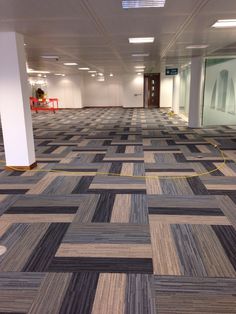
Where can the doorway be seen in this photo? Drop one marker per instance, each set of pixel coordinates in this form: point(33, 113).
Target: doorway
point(152, 90)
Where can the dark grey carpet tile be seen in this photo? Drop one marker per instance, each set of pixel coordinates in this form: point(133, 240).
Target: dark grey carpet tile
point(188, 252)
point(13, 191)
point(108, 233)
point(98, 264)
point(44, 252)
point(210, 167)
point(104, 208)
point(116, 167)
point(193, 148)
point(43, 210)
point(83, 185)
point(197, 186)
point(227, 237)
point(185, 211)
point(179, 157)
point(80, 294)
point(50, 150)
point(120, 149)
point(19, 280)
point(189, 284)
point(139, 209)
point(140, 294)
point(116, 191)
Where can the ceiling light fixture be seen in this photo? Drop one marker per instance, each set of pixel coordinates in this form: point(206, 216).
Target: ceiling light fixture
point(140, 55)
point(93, 75)
point(92, 71)
point(197, 47)
point(136, 4)
point(37, 72)
point(225, 23)
point(100, 74)
point(84, 69)
point(70, 63)
point(59, 74)
point(111, 75)
point(139, 73)
point(50, 57)
point(140, 67)
point(141, 40)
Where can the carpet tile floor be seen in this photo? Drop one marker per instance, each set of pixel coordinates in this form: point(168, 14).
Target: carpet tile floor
point(129, 211)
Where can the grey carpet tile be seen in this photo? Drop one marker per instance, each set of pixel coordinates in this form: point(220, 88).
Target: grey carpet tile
point(137, 215)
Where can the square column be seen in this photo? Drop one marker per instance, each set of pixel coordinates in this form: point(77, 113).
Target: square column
point(196, 92)
point(176, 94)
point(14, 103)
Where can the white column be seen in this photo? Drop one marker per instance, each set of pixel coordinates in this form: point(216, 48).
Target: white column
point(176, 94)
point(196, 92)
point(14, 102)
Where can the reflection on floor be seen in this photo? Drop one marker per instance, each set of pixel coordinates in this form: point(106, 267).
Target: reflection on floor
point(81, 240)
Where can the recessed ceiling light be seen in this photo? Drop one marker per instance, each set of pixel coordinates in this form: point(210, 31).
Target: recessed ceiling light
point(140, 55)
point(100, 74)
point(59, 74)
point(141, 40)
point(70, 63)
point(93, 75)
point(92, 71)
point(197, 47)
point(39, 75)
point(139, 73)
point(225, 23)
point(50, 57)
point(84, 69)
point(111, 75)
point(140, 70)
point(135, 4)
point(101, 79)
point(140, 67)
point(37, 72)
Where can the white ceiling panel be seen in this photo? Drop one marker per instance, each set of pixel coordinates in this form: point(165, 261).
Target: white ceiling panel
point(96, 32)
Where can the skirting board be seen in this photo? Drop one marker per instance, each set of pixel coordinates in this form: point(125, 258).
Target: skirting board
point(21, 168)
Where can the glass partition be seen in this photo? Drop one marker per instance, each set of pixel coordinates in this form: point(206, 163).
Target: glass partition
point(185, 75)
point(219, 94)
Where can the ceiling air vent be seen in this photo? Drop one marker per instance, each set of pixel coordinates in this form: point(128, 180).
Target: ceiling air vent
point(136, 4)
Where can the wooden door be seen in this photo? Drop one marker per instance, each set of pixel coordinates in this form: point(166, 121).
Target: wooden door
point(152, 90)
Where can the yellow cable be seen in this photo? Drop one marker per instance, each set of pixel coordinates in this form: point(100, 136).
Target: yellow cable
point(131, 176)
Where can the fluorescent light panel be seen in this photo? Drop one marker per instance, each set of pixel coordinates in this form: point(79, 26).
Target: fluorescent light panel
point(50, 57)
point(197, 47)
point(136, 4)
point(58, 74)
point(92, 71)
point(37, 72)
point(141, 40)
point(84, 69)
point(70, 63)
point(140, 55)
point(225, 23)
point(140, 67)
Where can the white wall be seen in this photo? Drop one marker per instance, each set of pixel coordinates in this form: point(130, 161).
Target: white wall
point(102, 94)
point(166, 94)
point(132, 91)
point(76, 91)
point(114, 91)
point(68, 90)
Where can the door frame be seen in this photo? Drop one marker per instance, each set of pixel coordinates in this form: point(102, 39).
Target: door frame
point(147, 77)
